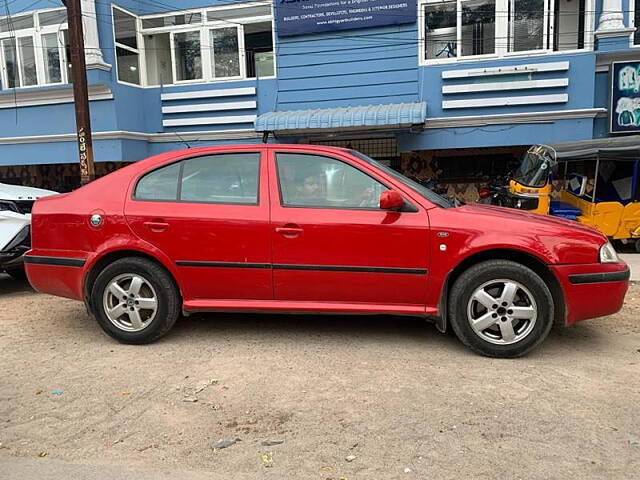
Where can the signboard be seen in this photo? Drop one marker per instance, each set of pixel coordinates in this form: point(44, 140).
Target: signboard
point(624, 111)
point(299, 17)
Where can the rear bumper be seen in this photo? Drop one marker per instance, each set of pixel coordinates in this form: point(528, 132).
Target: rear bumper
point(592, 290)
point(59, 273)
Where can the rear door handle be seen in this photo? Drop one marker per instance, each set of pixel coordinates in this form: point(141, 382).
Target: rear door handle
point(156, 226)
point(289, 231)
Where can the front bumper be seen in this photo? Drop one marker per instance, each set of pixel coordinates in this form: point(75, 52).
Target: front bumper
point(592, 290)
point(12, 254)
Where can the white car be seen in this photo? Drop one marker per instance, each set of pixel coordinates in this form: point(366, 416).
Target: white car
point(15, 220)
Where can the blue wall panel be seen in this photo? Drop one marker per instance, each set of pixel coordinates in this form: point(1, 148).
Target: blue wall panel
point(497, 135)
point(580, 74)
point(377, 66)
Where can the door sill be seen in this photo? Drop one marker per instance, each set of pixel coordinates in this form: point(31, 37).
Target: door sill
point(293, 306)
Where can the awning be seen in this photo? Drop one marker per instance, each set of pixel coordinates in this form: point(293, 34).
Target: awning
point(397, 115)
point(615, 148)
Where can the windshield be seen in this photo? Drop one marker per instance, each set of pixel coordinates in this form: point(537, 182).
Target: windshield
point(534, 167)
point(421, 190)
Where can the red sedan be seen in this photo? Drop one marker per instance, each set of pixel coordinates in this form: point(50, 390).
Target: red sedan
point(301, 228)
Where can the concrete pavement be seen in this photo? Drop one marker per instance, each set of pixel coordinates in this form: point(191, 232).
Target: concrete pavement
point(633, 260)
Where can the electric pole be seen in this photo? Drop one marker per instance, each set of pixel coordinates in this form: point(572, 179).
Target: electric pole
point(80, 90)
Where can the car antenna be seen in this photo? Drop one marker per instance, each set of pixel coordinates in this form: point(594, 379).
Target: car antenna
point(182, 140)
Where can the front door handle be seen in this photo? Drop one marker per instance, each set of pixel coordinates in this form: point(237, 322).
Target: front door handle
point(156, 226)
point(289, 232)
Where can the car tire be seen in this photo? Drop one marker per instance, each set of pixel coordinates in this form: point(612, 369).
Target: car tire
point(501, 309)
point(17, 274)
point(135, 300)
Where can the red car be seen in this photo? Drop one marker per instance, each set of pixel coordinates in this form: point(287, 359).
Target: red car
point(303, 228)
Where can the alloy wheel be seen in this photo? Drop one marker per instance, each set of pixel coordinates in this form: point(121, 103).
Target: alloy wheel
point(130, 302)
point(502, 312)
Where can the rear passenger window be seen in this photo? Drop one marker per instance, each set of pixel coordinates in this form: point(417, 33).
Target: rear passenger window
point(161, 184)
point(224, 178)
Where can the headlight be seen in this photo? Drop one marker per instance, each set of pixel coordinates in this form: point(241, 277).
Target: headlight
point(608, 254)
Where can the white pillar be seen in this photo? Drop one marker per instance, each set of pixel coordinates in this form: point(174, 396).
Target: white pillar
point(611, 18)
point(93, 54)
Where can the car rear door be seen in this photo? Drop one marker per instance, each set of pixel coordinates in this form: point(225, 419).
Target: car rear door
point(331, 241)
point(210, 215)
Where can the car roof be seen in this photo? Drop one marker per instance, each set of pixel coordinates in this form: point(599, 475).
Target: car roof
point(253, 146)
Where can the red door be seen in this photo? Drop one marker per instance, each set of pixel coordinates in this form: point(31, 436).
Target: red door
point(210, 215)
point(331, 242)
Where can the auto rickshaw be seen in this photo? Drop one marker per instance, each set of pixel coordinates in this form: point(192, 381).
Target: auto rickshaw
point(607, 197)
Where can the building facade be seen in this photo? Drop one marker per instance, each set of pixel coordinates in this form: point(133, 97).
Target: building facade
point(454, 89)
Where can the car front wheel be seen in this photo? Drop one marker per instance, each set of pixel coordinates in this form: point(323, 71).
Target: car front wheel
point(135, 300)
point(501, 308)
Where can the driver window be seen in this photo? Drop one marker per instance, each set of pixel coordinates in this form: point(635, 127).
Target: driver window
point(317, 181)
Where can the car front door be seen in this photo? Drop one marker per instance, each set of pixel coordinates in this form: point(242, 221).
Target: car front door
point(332, 242)
point(210, 215)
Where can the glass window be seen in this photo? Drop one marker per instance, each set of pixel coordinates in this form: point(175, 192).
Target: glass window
point(128, 69)
point(157, 49)
point(258, 47)
point(55, 17)
point(28, 68)
point(11, 63)
point(239, 13)
point(33, 56)
point(51, 57)
point(441, 32)
point(317, 181)
point(478, 27)
point(13, 23)
point(526, 25)
point(172, 46)
point(226, 178)
point(464, 28)
point(187, 55)
point(226, 54)
point(161, 184)
point(127, 54)
point(171, 20)
point(125, 28)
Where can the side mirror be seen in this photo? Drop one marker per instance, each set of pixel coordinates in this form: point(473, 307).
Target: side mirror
point(391, 200)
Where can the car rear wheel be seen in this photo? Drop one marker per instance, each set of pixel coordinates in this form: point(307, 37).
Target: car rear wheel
point(135, 300)
point(501, 308)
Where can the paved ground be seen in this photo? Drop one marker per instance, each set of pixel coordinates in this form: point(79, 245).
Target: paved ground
point(389, 390)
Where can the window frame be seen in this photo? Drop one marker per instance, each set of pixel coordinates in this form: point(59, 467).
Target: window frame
point(36, 32)
point(117, 45)
point(502, 39)
point(174, 64)
point(182, 161)
point(632, 24)
point(204, 26)
point(331, 157)
point(241, 52)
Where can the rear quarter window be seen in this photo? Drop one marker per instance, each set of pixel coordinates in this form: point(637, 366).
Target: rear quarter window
point(160, 184)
